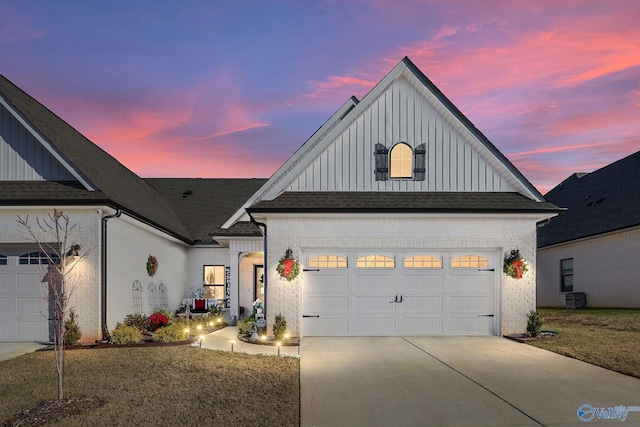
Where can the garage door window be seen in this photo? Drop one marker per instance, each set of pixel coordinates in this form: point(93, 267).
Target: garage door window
point(423, 261)
point(3, 259)
point(35, 258)
point(469, 261)
point(375, 261)
point(328, 261)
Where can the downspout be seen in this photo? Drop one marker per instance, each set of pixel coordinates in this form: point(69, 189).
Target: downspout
point(264, 238)
point(103, 281)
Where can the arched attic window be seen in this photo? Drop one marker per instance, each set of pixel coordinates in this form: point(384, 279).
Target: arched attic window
point(401, 156)
point(401, 162)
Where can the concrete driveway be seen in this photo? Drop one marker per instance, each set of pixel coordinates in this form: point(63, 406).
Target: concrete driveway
point(454, 381)
point(9, 350)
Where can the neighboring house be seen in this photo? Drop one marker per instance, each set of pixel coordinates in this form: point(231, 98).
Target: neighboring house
point(398, 210)
point(594, 246)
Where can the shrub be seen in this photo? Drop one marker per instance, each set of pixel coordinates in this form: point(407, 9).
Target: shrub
point(124, 334)
point(72, 333)
point(245, 326)
point(158, 320)
point(139, 321)
point(170, 314)
point(170, 333)
point(534, 323)
point(279, 327)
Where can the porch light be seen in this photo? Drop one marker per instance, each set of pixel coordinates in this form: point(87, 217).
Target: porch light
point(73, 251)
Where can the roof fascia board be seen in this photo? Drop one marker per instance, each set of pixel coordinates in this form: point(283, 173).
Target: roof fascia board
point(590, 237)
point(432, 215)
point(278, 181)
point(467, 124)
point(47, 145)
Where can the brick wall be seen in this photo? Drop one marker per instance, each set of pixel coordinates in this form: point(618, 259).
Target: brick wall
point(516, 297)
point(84, 280)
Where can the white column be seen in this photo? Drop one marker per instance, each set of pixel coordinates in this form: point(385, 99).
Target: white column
point(234, 299)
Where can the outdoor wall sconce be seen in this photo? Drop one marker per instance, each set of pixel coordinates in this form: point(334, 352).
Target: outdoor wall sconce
point(73, 251)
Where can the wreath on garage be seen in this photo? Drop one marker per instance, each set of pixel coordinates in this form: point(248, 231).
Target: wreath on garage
point(514, 266)
point(288, 268)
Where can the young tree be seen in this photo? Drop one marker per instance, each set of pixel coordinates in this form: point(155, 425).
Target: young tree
point(52, 235)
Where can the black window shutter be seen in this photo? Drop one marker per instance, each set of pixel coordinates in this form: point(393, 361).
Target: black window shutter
point(420, 162)
point(382, 162)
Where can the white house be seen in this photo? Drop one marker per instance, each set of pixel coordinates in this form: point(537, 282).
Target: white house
point(397, 210)
point(593, 248)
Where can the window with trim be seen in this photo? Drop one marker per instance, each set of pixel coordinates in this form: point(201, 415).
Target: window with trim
point(423, 261)
point(566, 275)
point(401, 157)
point(402, 162)
point(214, 281)
point(37, 258)
point(469, 261)
point(375, 261)
point(3, 259)
point(327, 261)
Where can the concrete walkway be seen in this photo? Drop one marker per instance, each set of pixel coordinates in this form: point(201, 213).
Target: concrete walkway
point(452, 381)
point(221, 340)
point(9, 350)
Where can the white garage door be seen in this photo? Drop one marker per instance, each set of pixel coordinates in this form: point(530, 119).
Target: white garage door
point(23, 308)
point(383, 294)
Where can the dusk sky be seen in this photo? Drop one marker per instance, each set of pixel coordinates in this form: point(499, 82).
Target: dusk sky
point(233, 88)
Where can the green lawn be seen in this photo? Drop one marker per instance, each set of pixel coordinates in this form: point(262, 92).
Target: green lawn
point(164, 386)
point(605, 337)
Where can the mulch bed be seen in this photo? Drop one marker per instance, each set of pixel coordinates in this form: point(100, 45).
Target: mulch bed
point(271, 341)
point(52, 411)
point(89, 346)
point(524, 338)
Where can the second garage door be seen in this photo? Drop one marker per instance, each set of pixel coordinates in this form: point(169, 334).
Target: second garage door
point(386, 293)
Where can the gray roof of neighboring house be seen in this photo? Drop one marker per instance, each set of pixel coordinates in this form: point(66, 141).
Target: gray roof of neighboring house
point(121, 187)
point(401, 202)
point(205, 204)
point(599, 202)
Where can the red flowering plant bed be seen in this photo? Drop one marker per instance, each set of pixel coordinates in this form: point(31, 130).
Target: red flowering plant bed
point(158, 320)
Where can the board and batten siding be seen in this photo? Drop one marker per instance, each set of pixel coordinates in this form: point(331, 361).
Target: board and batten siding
point(22, 157)
point(455, 160)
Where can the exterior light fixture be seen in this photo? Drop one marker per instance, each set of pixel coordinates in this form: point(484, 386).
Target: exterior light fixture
point(279, 344)
point(232, 343)
point(73, 251)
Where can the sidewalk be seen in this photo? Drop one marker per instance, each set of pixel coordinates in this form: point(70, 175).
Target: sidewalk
point(221, 340)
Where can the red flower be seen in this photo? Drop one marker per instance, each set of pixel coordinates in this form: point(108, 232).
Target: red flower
point(158, 320)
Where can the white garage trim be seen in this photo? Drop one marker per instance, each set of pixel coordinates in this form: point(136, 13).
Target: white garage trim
point(387, 299)
point(23, 305)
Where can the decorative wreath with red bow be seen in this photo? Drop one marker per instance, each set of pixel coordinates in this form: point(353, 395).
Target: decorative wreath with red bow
point(514, 265)
point(288, 268)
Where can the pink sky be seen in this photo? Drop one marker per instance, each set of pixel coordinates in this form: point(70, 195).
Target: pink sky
point(232, 90)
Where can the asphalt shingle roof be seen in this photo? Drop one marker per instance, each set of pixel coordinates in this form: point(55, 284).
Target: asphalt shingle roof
point(122, 188)
point(599, 202)
point(401, 202)
point(205, 204)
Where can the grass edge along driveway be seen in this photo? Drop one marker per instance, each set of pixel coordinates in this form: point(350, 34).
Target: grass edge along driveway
point(605, 337)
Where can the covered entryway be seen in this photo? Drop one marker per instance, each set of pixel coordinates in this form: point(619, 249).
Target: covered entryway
point(382, 293)
point(23, 306)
